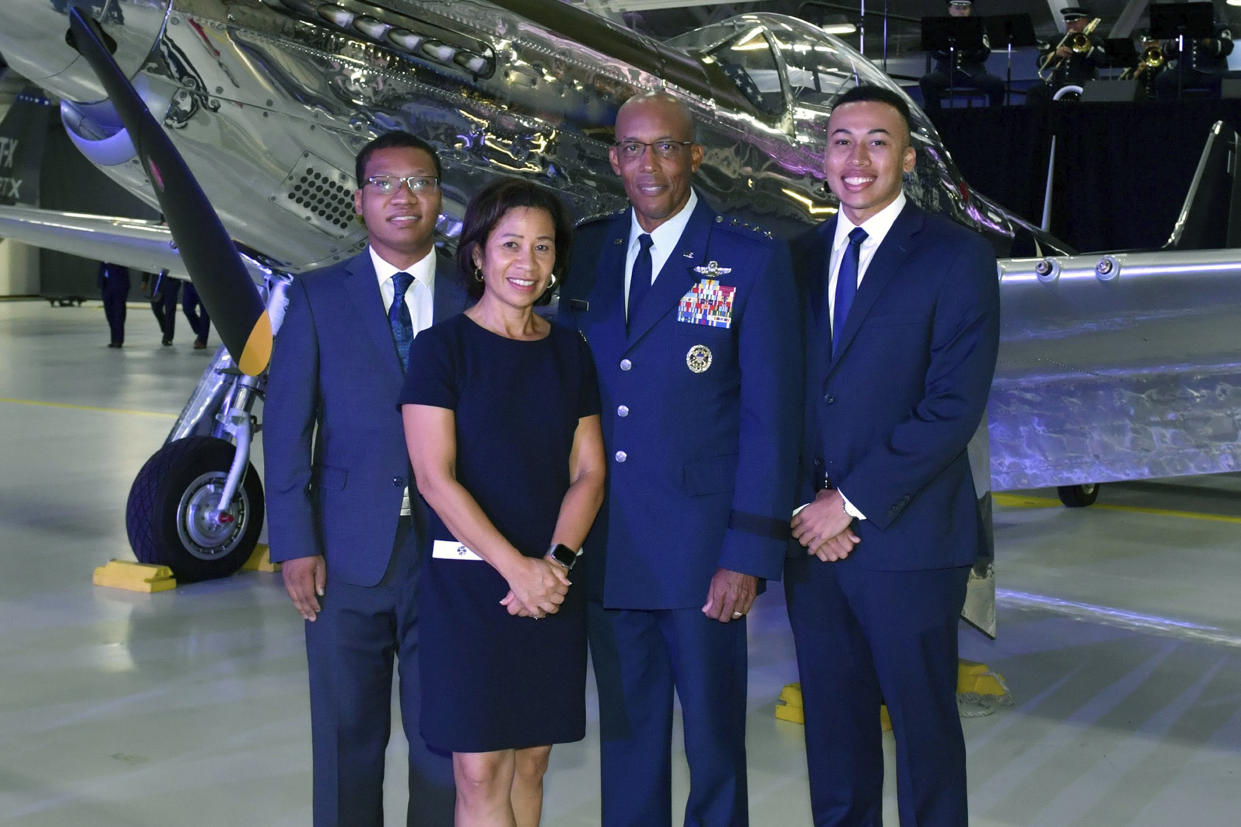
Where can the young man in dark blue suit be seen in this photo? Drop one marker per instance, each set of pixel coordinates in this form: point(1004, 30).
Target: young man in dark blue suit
point(341, 517)
point(694, 324)
point(902, 313)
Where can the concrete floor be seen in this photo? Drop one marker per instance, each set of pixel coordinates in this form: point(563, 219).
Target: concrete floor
point(1119, 638)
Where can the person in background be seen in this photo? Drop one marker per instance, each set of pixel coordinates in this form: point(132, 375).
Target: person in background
point(1068, 66)
point(970, 71)
point(114, 290)
point(196, 313)
point(499, 387)
point(163, 290)
point(1195, 64)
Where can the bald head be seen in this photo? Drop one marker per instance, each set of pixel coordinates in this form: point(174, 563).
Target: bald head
point(669, 109)
point(655, 155)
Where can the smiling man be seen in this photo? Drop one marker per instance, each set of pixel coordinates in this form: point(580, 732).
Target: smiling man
point(693, 321)
point(902, 315)
point(341, 519)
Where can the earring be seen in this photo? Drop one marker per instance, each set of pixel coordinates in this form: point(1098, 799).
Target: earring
point(478, 275)
point(551, 282)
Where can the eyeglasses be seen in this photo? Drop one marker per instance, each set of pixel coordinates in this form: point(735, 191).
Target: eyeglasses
point(665, 150)
point(389, 184)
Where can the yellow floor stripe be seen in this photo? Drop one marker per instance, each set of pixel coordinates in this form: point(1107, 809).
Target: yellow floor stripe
point(1024, 501)
point(86, 408)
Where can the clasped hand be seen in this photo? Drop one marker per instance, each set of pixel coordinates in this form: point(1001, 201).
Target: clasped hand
point(823, 527)
point(537, 588)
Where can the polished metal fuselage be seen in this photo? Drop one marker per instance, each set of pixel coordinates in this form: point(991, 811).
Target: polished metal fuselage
point(269, 101)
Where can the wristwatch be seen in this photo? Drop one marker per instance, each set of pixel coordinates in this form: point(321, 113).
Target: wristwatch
point(563, 555)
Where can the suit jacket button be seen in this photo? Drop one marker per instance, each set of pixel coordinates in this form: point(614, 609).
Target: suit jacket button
point(622, 410)
point(829, 399)
point(625, 364)
point(397, 481)
point(621, 456)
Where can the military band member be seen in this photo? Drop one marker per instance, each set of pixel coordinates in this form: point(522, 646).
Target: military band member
point(694, 324)
point(1195, 64)
point(970, 71)
point(1069, 66)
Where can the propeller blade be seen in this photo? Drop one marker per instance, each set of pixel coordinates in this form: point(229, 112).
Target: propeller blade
point(215, 268)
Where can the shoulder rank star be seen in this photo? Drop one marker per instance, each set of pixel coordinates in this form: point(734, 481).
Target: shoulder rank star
point(712, 269)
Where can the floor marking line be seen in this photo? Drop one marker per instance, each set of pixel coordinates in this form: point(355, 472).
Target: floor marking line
point(1022, 501)
point(92, 408)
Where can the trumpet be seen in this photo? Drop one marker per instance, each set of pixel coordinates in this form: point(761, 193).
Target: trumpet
point(1152, 59)
point(1078, 42)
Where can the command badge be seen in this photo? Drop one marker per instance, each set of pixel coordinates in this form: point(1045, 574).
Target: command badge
point(699, 358)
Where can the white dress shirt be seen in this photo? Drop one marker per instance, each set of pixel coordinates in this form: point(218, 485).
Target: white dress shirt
point(664, 240)
point(420, 297)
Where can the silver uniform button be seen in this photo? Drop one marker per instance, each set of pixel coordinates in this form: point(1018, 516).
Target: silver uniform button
point(622, 410)
point(621, 456)
point(625, 364)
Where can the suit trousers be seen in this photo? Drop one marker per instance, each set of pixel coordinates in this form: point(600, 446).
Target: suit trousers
point(640, 659)
point(350, 649)
point(863, 638)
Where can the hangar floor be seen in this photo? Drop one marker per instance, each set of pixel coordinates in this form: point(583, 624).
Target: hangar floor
point(1119, 638)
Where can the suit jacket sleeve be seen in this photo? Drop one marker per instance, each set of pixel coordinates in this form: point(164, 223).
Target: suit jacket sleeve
point(965, 334)
point(290, 413)
point(770, 353)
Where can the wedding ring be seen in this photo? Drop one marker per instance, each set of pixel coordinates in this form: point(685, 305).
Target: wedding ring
point(738, 614)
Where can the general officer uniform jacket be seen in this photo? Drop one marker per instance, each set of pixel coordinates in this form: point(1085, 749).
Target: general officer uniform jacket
point(700, 400)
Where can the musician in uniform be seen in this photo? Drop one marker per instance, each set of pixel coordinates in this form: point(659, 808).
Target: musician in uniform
point(1195, 64)
point(1075, 60)
point(970, 71)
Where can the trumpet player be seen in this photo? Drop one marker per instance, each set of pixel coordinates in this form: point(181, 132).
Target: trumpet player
point(1195, 64)
point(1072, 62)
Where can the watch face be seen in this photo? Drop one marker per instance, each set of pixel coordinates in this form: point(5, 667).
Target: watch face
point(565, 556)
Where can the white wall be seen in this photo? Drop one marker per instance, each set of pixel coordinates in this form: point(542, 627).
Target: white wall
point(19, 269)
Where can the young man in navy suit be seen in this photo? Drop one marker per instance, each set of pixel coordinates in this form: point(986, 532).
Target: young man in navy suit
point(902, 313)
point(341, 517)
point(694, 324)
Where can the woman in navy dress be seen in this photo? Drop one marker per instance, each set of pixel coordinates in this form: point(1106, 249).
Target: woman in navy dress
point(501, 414)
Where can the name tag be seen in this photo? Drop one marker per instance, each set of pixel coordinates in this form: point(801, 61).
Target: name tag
point(452, 550)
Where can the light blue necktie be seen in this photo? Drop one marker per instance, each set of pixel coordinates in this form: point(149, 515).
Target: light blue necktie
point(846, 283)
point(398, 317)
point(640, 278)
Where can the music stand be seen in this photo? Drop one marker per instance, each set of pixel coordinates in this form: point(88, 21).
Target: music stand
point(1121, 53)
point(1177, 21)
point(951, 35)
point(1011, 30)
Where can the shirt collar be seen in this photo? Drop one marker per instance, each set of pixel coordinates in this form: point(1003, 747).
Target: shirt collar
point(422, 270)
point(666, 235)
point(876, 227)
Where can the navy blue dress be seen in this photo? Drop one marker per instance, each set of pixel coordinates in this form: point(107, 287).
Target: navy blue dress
point(490, 680)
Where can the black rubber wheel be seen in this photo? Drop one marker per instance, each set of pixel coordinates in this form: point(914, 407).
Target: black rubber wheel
point(1079, 496)
point(170, 515)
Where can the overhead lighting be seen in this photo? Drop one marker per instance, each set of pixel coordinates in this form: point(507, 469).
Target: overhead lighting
point(849, 28)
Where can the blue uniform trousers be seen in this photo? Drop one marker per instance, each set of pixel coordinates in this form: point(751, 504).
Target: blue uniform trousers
point(640, 657)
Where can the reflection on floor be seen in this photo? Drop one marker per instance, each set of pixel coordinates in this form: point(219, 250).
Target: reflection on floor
point(1119, 637)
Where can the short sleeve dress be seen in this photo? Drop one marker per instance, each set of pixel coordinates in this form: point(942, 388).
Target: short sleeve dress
point(492, 681)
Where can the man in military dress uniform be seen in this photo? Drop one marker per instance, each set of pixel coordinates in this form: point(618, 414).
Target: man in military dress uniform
point(1069, 67)
point(1195, 64)
point(694, 323)
point(970, 71)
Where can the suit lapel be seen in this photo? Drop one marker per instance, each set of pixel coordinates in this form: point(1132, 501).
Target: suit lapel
point(449, 296)
point(677, 275)
point(362, 287)
point(882, 269)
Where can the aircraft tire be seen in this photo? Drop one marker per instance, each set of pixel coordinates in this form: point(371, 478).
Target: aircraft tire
point(169, 516)
point(1079, 496)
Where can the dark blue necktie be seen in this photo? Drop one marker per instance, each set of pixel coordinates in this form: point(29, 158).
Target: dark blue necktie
point(640, 278)
point(398, 317)
point(846, 283)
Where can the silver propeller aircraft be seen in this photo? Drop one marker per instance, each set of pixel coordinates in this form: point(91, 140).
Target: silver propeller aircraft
point(1112, 367)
